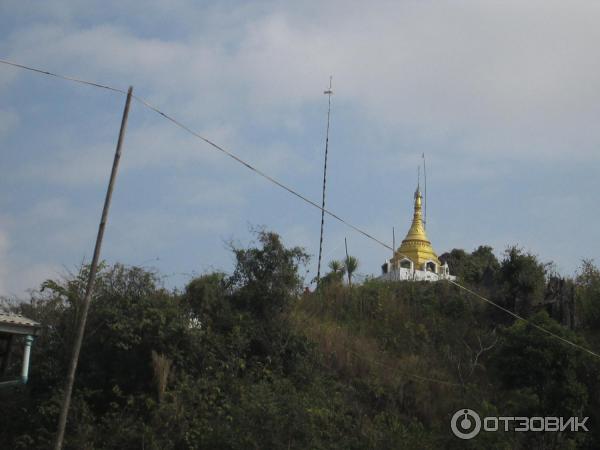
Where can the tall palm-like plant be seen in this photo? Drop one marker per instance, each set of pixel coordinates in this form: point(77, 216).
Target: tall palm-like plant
point(337, 267)
point(350, 265)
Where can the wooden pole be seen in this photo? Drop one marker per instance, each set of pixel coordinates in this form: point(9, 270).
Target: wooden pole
point(62, 422)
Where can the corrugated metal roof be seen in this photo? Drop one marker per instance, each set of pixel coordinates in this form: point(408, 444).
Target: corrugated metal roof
point(16, 320)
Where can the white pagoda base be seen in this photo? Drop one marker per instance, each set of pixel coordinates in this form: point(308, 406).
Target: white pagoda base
point(403, 274)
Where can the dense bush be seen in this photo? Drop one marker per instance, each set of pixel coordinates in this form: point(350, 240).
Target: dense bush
point(249, 361)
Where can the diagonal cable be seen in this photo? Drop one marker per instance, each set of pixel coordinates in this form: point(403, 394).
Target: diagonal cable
point(63, 77)
point(258, 171)
point(283, 186)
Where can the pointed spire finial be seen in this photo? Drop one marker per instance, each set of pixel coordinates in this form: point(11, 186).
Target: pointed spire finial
point(425, 182)
point(418, 190)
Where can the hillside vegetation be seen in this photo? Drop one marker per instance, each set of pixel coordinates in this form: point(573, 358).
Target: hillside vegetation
point(249, 361)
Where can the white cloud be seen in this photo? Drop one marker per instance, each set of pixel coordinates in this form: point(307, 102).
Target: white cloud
point(476, 72)
point(476, 85)
point(507, 79)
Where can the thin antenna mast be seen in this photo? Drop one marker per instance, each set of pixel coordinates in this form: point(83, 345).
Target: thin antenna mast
point(347, 259)
point(425, 203)
point(393, 241)
point(327, 92)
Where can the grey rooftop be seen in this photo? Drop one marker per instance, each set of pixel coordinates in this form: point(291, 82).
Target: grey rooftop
point(17, 324)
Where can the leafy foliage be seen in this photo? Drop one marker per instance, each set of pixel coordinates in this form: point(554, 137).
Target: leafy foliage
point(479, 268)
point(522, 279)
point(350, 264)
point(249, 361)
point(588, 294)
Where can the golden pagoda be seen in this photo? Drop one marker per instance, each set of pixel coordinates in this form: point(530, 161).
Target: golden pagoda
point(415, 259)
point(416, 247)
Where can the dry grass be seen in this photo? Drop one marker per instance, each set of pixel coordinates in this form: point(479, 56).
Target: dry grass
point(162, 369)
point(353, 355)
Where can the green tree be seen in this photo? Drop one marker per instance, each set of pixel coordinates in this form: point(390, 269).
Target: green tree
point(457, 260)
point(543, 376)
point(588, 295)
point(336, 274)
point(337, 267)
point(243, 361)
point(207, 298)
point(350, 264)
point(477, 268)
point(522, 279)
point(266, 277)
point(484, 266)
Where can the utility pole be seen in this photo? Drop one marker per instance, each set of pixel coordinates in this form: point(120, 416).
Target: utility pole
point(328, 92)
point(347, 271)
point(64, 412)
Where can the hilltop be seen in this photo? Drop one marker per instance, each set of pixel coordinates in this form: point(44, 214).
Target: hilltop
point(248, 360)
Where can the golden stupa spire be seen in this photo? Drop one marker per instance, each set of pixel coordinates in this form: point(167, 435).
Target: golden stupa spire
point(417, 230)
point(416, 245)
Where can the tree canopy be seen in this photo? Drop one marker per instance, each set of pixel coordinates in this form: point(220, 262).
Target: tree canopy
point(249, 360)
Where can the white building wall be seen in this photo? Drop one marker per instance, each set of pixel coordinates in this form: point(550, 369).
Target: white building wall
point(402, 274)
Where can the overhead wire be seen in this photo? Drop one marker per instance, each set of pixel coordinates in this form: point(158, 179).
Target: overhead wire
point(281, 185)
point(208, 141)
point(517, 316)
point(63, 77)
point(256, 170)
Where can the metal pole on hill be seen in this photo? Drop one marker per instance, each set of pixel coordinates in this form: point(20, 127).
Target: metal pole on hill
point(328, 92)
point(347, 259)
point(64, 412)
point(425, 203)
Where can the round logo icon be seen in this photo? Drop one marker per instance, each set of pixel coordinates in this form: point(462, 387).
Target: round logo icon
point(465, 424)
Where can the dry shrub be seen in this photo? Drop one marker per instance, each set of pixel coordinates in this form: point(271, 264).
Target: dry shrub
point(162, 369)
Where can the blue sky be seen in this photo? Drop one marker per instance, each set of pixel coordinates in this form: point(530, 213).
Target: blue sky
point(503, 98)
